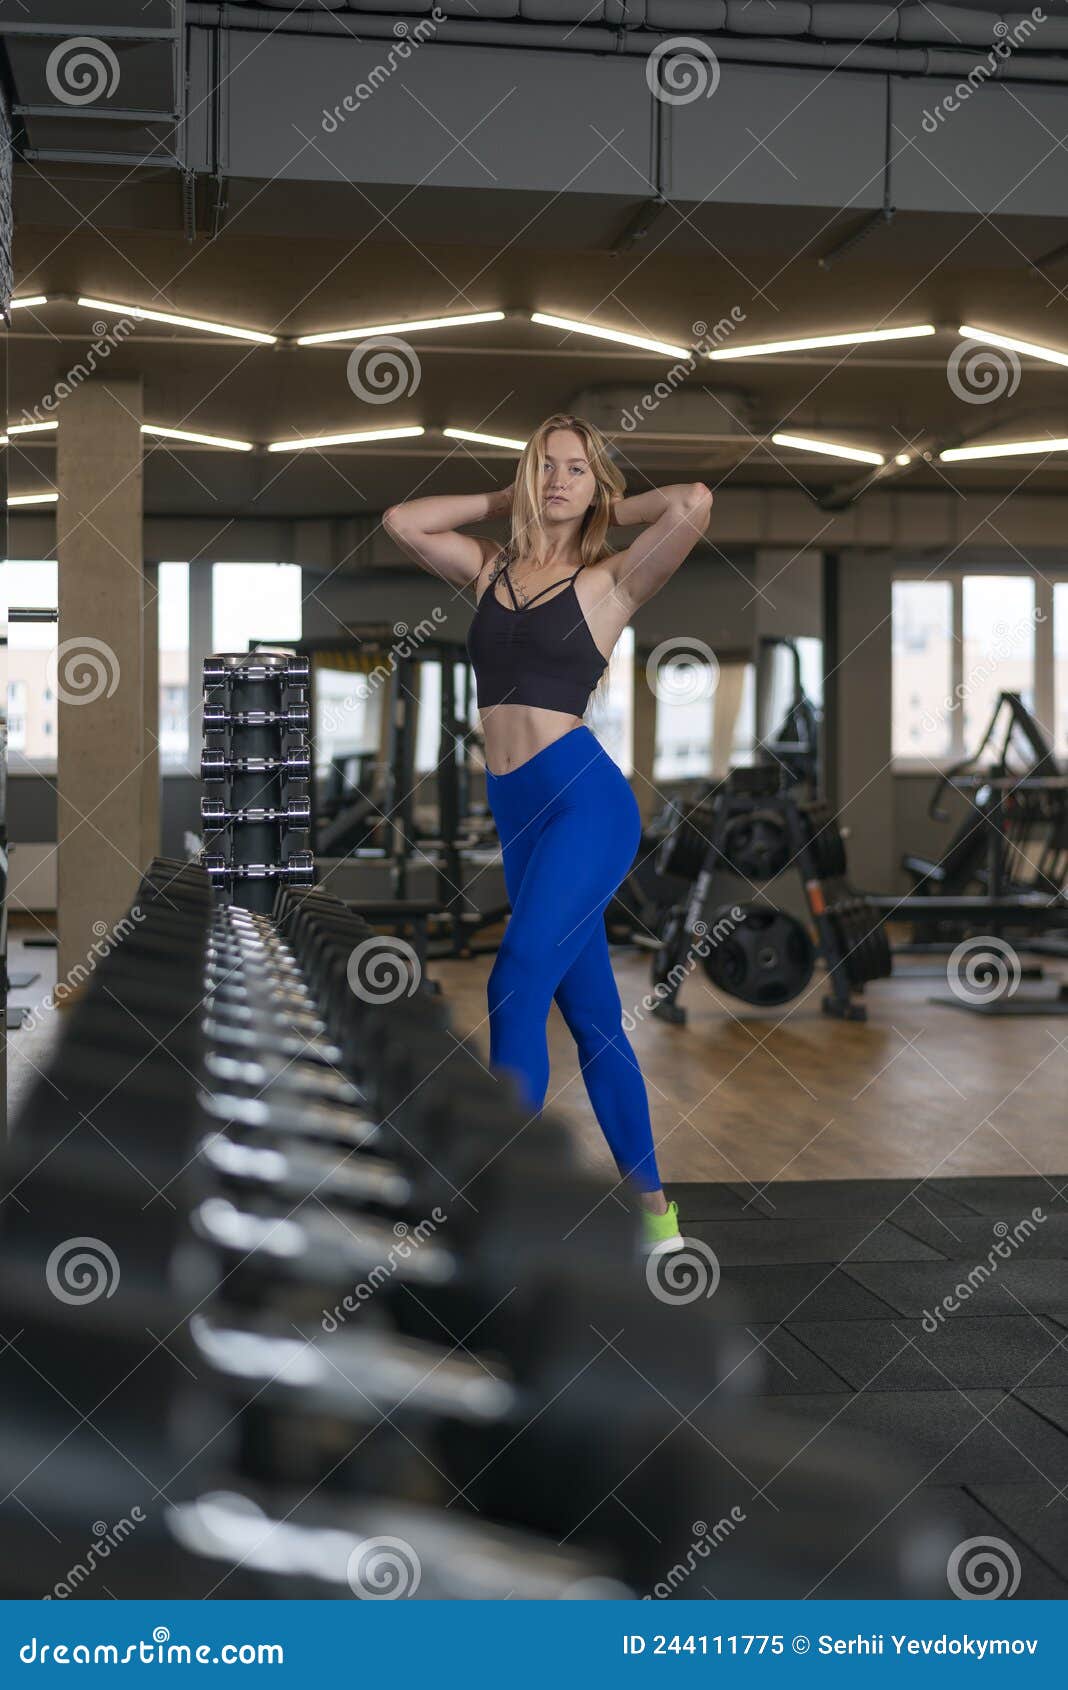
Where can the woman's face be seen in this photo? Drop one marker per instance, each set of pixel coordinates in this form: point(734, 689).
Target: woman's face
point(568, 484)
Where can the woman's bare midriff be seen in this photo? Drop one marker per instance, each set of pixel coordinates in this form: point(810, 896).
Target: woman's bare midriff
point(513, 733)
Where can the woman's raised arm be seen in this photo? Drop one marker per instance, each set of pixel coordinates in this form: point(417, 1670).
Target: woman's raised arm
point(677, 517)
point(428, 531)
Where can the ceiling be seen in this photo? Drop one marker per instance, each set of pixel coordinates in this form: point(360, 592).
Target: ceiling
point(303, 258)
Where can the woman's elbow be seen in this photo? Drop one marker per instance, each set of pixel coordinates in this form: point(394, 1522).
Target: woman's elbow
point(694, 502)
point(395, 521)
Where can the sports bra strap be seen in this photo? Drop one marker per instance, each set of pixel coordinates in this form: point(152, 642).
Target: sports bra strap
point(548, 589)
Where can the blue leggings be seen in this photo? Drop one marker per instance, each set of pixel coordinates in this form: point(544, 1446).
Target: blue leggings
point(569, 827)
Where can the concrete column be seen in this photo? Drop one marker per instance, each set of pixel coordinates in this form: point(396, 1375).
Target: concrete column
point(104, 761)
point(788, 588)
point(864, 679)
point(201, 645)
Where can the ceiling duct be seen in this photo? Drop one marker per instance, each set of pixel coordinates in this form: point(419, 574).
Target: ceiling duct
point(663, 407)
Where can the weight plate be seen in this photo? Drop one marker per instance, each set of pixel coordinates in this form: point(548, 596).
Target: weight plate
point(766, 958)
point(754, 844)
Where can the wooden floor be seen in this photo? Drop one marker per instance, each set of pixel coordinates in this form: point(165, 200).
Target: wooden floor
point(917, 1091)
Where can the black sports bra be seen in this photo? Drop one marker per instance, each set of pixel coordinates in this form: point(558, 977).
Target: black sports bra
point(546, 658)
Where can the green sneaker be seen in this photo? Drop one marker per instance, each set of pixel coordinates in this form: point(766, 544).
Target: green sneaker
point(661, 1232)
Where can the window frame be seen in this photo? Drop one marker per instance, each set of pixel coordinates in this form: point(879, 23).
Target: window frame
point(1044, 581)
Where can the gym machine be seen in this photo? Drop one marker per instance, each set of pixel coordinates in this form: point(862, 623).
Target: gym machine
point(751, 830)
point(379, 824)
point(1014, 833)
point(793, 746)
point(1003, 875)
point(343, 1314)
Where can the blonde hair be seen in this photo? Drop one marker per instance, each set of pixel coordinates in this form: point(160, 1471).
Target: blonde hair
point(528, 529)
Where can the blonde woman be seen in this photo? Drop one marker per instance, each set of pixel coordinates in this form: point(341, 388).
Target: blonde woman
point(550, 606)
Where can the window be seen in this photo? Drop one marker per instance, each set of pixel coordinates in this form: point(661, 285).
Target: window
point(16, 715)
point(743, 739)
point(31, 648)
point(1060, 668)
point(685, 706)
point(705, 722)
point(174, 704)
point(922, 657)
point(348, 713)
point(999, 648)
point(610, 715)
point(958, 643)
point(810, 651)
point(255, 601)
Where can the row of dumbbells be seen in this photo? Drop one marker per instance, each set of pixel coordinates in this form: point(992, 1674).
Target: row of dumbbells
point(361, 1319)
point(256, 728)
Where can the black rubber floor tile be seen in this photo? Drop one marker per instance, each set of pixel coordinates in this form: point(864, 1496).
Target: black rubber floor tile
point(847, 1199)
point(786, 1366)
point(1051, 1401)
point(753, 1243)
point(804, 1292)
point(989, 1195)
point(945, 1432)
point(899, 1355)
point(1035, 1514)
point(1017, 1287)
point(976, 1238)
point(705, 1200)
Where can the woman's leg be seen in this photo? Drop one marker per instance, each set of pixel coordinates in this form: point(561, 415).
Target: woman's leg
point(570, 873)
point(589, 1002)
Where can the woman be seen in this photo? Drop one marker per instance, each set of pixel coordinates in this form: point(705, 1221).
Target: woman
point(550, 607)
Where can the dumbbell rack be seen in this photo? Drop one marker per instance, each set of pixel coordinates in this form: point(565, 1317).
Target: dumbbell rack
point(256, 722)
point(232, 1138)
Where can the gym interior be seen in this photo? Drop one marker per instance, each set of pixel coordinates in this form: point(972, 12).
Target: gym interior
point(284, 1264)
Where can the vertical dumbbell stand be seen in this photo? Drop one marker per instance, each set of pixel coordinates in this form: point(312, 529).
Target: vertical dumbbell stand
point(256, 721)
